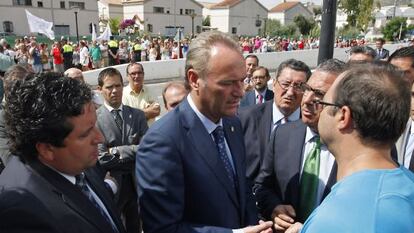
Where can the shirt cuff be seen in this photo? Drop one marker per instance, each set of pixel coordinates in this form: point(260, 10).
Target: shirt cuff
point(238, 231)
point(112, 185)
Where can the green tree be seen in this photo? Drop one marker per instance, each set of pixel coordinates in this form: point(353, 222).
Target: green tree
point(358, 12)
point(275, 28)
point(206, 21)
point(317, 10)
point(304, 24)
point(348, 32)
point(114, 24)
point(391, 30)
point(315, 32)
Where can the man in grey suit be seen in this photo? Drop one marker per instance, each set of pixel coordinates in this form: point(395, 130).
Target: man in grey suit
point(122, 127)
point(258, 121)
point(288, 186)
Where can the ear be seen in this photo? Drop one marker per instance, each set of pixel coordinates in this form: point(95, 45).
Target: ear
point(193, 79)
point(99, 88)
point(45, 151)
point(344, 118)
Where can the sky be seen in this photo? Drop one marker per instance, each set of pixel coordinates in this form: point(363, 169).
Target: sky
point(268, 3)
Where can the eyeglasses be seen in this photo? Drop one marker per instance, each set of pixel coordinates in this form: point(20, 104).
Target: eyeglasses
point(306, 89)
point(324, 104)
point(286, 85)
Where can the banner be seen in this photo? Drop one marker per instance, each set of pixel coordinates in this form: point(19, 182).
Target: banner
point(106, 34)
point(40, 25)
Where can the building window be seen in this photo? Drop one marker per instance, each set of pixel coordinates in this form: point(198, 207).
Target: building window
point(158, 9)
point(181, 11)
point(198, 29)
point(80, 5)
point(62, 4)
point(233, 30)
point(22, 2)
point(149, 27)
point(168, 11)
point(39, 4)
point(7, 26)
point(189, 11)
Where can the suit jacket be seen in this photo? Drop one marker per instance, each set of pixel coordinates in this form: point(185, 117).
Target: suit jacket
point(250, 98)
point(256, 122)
point(384, 55)
point(60, 205)
point(279, 178)
point(398, 151)
point(182, 183)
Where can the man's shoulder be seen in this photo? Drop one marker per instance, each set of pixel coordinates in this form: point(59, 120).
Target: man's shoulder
point(255, 110)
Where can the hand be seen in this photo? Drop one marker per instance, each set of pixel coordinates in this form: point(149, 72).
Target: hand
point(295, 228)
point(152, 110)
point(263, 227)
point(283, 217)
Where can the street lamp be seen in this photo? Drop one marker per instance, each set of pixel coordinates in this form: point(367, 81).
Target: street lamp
point(192, 15)
point(76, 21)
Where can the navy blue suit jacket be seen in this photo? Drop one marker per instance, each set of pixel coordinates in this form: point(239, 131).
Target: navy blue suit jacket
point(182, 184)
point(250, 98)
point(279, 178)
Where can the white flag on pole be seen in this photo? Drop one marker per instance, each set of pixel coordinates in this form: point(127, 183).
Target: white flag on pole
point(93, 32)
point(106, 34)
point(40, 25)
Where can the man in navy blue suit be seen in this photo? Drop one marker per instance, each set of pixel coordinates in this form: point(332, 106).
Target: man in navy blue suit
point(261, 93)
point(190, 166)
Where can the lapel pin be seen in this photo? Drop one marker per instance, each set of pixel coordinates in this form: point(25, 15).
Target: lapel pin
point(232, 129)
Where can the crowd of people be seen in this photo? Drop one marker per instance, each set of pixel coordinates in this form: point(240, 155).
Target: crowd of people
point(328, 150)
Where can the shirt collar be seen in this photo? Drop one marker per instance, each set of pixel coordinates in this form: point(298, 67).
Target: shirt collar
point(263, 93)
point(208, 124)
point(131, 91)
point(277, 115)
point(310, 134)
point(111, 108)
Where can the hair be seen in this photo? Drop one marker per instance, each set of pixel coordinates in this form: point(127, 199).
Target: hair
point(15, 72)
point(252, 56)
point(263, 68)
point(332, 65)
point(110, 71)
point(364, 50)
point(170, 85)
point(296, 65)
point(37, 109)
point(380, 40)
point(379, 100)
point(134, 64)
point(199, 52)
point(403, 53)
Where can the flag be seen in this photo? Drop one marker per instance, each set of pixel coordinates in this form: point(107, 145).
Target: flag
point(106, 34)
point(40, 25)
point(93, 32)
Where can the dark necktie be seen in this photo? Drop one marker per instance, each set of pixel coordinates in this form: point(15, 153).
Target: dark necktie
point(411, 167)
point(309, 182)
point(218, 135)
point(81, 184)
point(118, 119)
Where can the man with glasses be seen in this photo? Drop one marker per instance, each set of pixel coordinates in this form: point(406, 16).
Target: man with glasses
point(298, 170)
point(261, 93)
point(136, 95)
point(259, 121)
point(365, 112)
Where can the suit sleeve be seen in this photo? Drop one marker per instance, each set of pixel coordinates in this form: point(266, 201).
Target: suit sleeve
point(266, 188)
point(22, 212)
point(161, 187)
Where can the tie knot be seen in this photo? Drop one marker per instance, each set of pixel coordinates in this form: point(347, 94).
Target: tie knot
point(80, 180)
point(115, 111)
point(317, 141)
point(218, 132)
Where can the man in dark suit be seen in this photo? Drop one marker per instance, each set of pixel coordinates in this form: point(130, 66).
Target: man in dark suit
point(122, 127)
point(260, 120)
point(190, 165)
point(382, 54)
point(261, 93)
point(57, 150)
point(403, 59)
point(286, 190)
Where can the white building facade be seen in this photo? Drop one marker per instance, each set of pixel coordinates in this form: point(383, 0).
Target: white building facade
point(285, 12)
point(162, 17)
point(61, 13)
point(238, 17)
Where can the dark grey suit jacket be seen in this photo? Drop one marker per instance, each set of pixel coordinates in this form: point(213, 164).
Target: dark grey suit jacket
point(385, 54)
point(250, 99)
point(60, 205)
point(279, 178)
point(256, 123)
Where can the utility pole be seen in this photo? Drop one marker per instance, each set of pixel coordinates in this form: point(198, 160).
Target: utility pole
point(327, 38)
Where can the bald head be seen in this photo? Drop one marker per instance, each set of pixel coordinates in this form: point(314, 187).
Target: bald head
point(74, 73)
point(173, 94)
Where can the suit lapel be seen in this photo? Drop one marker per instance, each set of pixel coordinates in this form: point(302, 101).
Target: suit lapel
point(251, 98)
point(265, 121)
point(206, 148)
point(128, 122)
point(331, 180)
point(72, 197)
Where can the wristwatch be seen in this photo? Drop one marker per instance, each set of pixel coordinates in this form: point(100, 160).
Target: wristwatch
point(114, 151)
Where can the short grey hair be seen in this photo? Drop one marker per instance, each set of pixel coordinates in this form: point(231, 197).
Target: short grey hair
point(199, 53)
